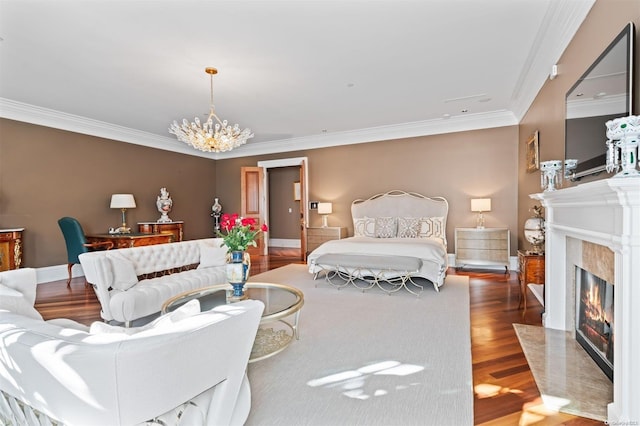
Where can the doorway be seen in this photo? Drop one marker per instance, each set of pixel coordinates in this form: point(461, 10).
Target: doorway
point(300, 190)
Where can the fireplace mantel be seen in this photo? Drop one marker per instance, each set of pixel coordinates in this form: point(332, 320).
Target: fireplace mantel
point(607, 213)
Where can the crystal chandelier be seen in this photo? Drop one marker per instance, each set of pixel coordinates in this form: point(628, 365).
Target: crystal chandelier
point(213, 135)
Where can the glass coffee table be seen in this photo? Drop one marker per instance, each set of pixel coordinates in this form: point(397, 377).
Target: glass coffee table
point(280, 302)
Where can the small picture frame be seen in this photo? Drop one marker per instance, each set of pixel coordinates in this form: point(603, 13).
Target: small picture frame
point(296, 191)
point(533, 160)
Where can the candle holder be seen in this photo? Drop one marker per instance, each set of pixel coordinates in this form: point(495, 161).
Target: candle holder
point(569, 169)
point(622, 146)
point(550, 176)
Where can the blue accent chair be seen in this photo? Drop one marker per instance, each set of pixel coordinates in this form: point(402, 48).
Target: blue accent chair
point(76, 242)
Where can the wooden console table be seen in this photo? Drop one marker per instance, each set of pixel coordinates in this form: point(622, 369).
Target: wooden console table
point(530, 271)
point(175, 228)
point(10, 248)
point(131, 240)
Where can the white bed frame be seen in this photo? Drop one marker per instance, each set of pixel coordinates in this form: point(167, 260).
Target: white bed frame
point(395, 203)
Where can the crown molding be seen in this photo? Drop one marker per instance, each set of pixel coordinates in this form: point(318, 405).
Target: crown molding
point(559, 26)
point(50, 118)
point(377, 134)
point(33, 114)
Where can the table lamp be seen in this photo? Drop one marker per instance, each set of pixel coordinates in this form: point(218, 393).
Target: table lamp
point(480, 205)
point(123, 202)
point(325, 209)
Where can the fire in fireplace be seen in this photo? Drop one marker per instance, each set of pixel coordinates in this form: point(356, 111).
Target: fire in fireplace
point(594, 318)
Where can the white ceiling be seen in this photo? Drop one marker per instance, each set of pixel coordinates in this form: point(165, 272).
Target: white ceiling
point(299, 73)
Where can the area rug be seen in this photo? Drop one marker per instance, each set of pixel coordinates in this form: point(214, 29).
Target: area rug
point(369, 358)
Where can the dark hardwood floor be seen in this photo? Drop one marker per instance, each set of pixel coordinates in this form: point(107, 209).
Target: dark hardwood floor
point(505, 391)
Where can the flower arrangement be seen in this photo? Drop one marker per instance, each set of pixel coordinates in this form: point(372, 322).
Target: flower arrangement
point(238, 232)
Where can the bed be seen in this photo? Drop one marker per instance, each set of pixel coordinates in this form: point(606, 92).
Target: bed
point(390, 229)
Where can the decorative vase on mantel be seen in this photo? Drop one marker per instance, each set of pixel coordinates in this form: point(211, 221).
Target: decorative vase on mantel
point(238, 266)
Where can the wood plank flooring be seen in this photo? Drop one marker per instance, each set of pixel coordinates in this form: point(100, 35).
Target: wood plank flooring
point(505, 391)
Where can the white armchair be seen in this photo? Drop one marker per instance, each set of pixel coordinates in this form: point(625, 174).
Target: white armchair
point(180, 369)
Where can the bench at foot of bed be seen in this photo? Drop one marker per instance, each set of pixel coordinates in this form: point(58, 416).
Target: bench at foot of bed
point(365, 271)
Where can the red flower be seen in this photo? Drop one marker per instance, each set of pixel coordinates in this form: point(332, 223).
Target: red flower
point(239, 232)
point(264, 227)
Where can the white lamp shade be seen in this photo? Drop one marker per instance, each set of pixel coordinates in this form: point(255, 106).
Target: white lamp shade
point(481, 204)
point(325, 208)
point(123, 201)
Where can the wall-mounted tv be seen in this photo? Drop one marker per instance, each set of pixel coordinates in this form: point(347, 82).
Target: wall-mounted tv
point(604, 92)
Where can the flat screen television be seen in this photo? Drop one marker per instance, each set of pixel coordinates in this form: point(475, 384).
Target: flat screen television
point(604, 92)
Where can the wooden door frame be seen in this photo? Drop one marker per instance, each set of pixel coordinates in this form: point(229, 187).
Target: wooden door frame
point(286, 162)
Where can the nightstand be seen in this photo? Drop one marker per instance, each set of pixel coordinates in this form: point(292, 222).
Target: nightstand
point(530, 271)
point(317, 236)
point(482, 246)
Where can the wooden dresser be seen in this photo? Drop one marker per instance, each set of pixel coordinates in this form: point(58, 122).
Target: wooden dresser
point(10, 248)
point(482, 246)
point(131, 240)
point(175, 228)
point(317, 236)
point(530, 271)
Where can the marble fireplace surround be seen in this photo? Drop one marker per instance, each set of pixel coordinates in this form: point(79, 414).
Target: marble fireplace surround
point(596, 225)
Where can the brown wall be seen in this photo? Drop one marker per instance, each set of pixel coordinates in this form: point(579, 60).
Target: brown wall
point(547, 114)
point(47, 173)
point(457, 166)
point(284, 211)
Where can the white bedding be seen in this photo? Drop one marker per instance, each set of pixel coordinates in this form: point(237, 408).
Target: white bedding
point(426, 242)
point(431, 251)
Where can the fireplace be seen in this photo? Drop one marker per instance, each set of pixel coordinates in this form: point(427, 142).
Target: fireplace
point(596, 226)
point(594, 318)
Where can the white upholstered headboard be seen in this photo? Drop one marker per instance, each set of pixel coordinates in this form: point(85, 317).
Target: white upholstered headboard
point(401, 204)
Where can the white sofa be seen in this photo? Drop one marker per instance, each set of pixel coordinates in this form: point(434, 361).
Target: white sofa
point(186, 367)
point(133, 283)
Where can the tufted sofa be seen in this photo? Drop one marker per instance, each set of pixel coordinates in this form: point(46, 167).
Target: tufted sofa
point(133, 283)
point(184, 368)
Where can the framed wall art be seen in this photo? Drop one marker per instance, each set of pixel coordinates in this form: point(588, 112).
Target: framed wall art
point(533, 160)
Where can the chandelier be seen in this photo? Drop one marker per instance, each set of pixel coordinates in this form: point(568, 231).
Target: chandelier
point(212, 135)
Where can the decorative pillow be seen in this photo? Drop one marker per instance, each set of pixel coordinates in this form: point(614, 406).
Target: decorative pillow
point(408, 227)
point(189, 309)
point(13, 301)
point(212, 256)
point(364, 227)
point(432, 227)
point(124, 274)
point(385, 227)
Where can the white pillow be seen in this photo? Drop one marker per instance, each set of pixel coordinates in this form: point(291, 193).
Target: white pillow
point(124, 274)
point(190, 308)
point(364, 227)
point(431, 227)
point(13, 301)
point(212, 256)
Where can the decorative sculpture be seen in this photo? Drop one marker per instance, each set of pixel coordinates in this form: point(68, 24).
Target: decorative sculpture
point(164, 204)
point(217, 212)
point(622, 145)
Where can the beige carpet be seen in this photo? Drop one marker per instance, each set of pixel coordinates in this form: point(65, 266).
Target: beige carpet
point(369, 358)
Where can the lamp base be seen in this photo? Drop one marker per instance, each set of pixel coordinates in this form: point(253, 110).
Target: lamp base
point(325, 221)
point(480, 221)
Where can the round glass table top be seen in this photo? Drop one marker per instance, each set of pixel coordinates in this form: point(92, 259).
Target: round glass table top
point(279, 300)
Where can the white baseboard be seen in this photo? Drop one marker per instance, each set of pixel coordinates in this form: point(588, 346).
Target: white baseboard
point(57, 272)
point(282, 242)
